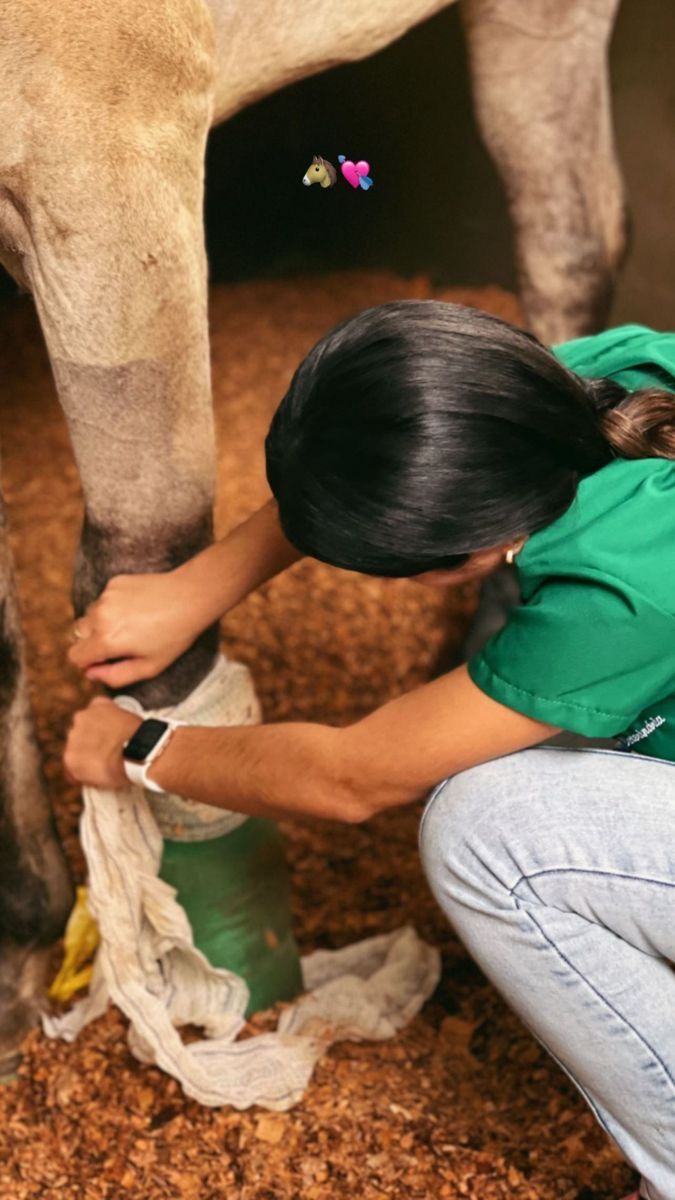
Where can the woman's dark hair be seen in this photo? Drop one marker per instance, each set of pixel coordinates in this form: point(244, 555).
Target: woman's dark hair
point(419, 432)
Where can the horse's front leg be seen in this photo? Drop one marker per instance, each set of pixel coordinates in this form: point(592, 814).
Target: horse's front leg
point(540, 80)
point(115, 257)
point(101, 174)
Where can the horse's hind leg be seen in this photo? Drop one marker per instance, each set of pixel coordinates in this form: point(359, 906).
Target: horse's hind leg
point(35, 892)
point(541, 87)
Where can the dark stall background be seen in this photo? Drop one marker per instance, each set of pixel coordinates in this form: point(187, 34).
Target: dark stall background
point(437, 206)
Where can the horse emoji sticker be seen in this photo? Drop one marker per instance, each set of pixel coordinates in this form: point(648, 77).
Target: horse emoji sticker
point(320, 171)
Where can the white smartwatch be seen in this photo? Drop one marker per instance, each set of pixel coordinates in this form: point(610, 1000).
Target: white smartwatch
point(143, 748)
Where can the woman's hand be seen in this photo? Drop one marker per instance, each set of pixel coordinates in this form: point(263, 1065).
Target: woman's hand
point(143, 622)
point(93, 753)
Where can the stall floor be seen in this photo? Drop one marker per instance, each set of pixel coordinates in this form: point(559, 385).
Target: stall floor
point(463, 1103)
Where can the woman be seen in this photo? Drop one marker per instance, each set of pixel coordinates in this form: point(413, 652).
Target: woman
point(428, 440)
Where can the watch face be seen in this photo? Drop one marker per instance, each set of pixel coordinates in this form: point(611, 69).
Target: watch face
point(145, 739)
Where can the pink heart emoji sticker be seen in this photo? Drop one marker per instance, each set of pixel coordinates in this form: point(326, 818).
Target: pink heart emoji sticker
point(353, 171)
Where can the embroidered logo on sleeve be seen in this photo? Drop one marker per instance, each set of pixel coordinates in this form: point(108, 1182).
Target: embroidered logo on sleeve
point(628, 740)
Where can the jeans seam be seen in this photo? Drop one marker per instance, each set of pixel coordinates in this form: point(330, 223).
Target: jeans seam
point(603, 999)
point(588, 871)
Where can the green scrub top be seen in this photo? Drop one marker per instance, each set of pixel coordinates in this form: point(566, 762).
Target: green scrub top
point(591, 648)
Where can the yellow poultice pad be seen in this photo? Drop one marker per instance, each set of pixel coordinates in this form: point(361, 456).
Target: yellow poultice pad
point(79, 942)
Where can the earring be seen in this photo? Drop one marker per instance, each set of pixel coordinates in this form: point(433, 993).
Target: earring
point(511, 553)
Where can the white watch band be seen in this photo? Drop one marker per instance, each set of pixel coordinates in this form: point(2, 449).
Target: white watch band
point(137, 772)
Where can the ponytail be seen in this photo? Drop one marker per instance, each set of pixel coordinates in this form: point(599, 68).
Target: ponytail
point(637, 424)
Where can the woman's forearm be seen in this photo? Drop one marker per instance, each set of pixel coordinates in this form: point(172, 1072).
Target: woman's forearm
point(389, 758)
point(221, 576)
point(266, 770)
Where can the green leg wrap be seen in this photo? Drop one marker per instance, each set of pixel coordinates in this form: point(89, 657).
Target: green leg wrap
point(236, 893)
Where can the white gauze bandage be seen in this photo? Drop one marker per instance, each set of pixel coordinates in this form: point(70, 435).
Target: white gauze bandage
point(148, 965)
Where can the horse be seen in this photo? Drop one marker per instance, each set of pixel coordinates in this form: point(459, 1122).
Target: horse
point(104, 115)
point(320, 171)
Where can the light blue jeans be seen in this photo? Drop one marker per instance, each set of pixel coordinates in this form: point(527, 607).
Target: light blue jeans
point(557, 869)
